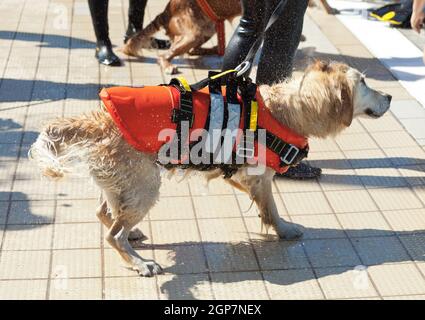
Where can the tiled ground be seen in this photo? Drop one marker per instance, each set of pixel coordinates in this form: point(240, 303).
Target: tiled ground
point(364, 220)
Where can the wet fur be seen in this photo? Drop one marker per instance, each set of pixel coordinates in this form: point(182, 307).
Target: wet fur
point(321, 103)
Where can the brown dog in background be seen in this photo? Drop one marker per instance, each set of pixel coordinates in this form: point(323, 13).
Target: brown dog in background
point(188, 28)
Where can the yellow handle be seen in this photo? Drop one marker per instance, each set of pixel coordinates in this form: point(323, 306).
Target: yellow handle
point(254, 116)
point(185, 84)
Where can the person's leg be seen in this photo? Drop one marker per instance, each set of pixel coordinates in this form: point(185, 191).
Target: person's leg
point(277, 57)
point(251, 24)
point(136, 15)
point(281, 42)
point(99, 15)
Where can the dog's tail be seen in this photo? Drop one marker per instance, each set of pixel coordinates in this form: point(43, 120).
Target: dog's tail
point(63, 144)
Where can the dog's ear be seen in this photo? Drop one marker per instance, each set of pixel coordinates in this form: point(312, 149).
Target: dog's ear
point(347, 106)
point(320, 65)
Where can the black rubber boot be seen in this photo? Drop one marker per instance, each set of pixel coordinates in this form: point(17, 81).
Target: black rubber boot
point(99, 15)
point(136, 16)
point(302, 171)
point(105, 55)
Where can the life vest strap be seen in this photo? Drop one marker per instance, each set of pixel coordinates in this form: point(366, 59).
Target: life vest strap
point(248, 91)
point(185, 113)
point(289, 154)
point(216, 115)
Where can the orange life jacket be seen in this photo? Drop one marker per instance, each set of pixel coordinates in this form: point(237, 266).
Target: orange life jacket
point(142, 113)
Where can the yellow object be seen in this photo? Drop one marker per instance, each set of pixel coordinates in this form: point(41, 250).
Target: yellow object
point(223, 74)
point(254, 116)
point(185, 84)
point(387, 17)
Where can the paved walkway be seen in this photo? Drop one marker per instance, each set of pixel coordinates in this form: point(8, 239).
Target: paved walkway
point(364, 219)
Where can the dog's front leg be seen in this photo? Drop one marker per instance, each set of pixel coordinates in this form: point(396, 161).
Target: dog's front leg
point(268, 210)
point(259, 189)
point(179, 47)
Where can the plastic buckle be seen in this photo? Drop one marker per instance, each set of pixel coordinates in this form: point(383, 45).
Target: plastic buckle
point(247, 153)
point(290, 156)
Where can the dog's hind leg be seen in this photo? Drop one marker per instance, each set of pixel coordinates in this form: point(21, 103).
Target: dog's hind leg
point(105, 216)
point(117, 237)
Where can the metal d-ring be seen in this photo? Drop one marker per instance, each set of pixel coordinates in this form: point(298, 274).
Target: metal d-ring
point(242, 68)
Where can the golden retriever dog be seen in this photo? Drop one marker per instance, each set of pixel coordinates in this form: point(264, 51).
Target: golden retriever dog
point(188, 29)
point(321, 103)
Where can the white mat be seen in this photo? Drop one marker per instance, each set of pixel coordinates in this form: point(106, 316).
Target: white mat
point(392, 48)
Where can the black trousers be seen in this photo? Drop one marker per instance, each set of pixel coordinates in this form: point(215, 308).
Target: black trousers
point(280, 42)
point(99, 14)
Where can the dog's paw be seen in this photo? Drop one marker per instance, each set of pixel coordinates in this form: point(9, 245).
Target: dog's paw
point(136, 234)
point(288, 231)
point(128, 50)
point(147, 268)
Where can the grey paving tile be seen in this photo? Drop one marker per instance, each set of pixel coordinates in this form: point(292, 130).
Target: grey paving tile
point(182, 259)
point(415, 127)
point(331, 253)
point(185, 287)
point(31, 212)
point(414, 244)
point(231, 257)
point(407, 109)
point(397, 279)
point(380, 250)
point(244, 285)
point(343, 283)
point(292, 284)
point(274, 255)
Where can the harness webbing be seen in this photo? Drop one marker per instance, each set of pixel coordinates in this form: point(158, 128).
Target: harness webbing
point(289, 154)
point(227, 115)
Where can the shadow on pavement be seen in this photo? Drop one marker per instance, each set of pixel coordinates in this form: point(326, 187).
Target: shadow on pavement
point(48, 40)
point(41, 90)
point(289, 252)
point(19, 211)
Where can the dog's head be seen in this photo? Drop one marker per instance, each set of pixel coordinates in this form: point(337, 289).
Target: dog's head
point(342, 92)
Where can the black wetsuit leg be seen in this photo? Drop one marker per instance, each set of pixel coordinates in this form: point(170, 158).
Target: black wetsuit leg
point(136, 15)
point(279, 48)
point(250, 26)
point(281, 42)
point(99, 15)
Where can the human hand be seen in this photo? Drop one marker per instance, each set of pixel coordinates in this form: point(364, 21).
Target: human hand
point(417, 21)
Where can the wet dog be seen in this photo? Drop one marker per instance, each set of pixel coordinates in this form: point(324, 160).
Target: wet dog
point(321, 103)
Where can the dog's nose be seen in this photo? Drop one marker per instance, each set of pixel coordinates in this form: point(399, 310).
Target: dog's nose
point(389, 97)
